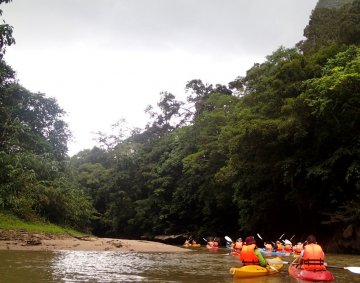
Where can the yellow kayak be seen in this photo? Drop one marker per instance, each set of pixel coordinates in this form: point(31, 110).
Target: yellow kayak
point(191, 245)
point(255, 270)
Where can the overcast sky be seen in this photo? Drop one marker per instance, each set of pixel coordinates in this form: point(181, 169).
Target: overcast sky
point(106, 60)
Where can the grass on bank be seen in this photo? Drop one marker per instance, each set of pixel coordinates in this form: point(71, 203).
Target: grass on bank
point(11, 222)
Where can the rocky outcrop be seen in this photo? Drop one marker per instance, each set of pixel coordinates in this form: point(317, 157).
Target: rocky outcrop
point(346, 240)
point(171, 239)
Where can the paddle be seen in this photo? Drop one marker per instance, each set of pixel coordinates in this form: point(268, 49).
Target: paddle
point(353, 269)
point(227, 238)
point(273, 268)
point(205, 240)
point(259, 236)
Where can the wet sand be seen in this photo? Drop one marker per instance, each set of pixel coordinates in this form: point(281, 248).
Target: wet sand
point(11, 240)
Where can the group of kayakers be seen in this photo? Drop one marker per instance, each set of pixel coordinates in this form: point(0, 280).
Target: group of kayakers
point(213, 244)
point(191, 243)
point(286, 247)
point(311, 255)
point(309, 263)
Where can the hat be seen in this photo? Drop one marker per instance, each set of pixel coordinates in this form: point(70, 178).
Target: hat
point(250, 240)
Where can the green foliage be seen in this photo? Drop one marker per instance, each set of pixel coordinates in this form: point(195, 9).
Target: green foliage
point(337, 22)
point(286, 144)
point(11, 222)
point(282, 140)
point(35, 182)
point(332, 4)
point(6, 31)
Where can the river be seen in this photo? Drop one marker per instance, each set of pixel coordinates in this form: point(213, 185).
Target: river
point(201, 265)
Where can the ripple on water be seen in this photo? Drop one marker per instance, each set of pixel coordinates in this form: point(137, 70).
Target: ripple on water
point(80, 266)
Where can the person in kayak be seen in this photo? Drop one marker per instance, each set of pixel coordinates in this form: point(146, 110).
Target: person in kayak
point(268, 247)
point(288, 246)
point(298, 248)
point(312, 256)
point(250, 254)
point(238, 245)
point(279, 246)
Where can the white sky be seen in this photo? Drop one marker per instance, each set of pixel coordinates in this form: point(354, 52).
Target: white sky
point(107, 60)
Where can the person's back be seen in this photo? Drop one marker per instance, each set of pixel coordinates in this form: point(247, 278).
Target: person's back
point(279, 246)
point(250, 255)
point(238, 245)
point(298, 248)
point(288, 248)
point(312, 257)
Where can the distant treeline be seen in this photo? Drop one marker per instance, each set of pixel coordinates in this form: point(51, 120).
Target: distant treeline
point(275, 151)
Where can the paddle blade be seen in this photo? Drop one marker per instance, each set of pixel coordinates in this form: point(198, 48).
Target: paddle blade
point(227, 238)
point(353, 269)
point(276, 261)
point(259, 236)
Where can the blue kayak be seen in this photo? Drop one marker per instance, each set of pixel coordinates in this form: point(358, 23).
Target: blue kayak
point(262, 250)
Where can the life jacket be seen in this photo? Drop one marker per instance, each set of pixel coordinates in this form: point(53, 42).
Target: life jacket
point(288, 248)
point(268, 247)
point(248, 256)
point(313, 258)
point(215, 244)
point(238, 246)
point(279, 247)
point(298, 248)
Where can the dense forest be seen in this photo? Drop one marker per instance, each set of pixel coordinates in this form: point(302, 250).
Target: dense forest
point(276, 150)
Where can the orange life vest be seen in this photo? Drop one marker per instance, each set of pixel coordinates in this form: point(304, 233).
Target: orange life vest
point(248, 256)
point(288, 248)
point(298, 248)
point(313, 258)
point(280, 247)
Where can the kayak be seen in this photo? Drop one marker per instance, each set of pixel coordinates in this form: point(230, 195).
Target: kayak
point(191, 245)
point(263, 251)
point(255, 270)
point(212, 248)
point(319, 275)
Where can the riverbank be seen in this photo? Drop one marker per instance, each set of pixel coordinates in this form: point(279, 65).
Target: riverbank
point(29, 241)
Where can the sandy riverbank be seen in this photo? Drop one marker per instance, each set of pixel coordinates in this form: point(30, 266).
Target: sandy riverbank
point(11, 240)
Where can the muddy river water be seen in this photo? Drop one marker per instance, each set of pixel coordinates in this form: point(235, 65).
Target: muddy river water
point(201, 265)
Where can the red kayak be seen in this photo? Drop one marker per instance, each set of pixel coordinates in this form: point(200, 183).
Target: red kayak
point(319, 275)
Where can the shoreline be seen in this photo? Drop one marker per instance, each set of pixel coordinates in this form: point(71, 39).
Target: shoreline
point(26, 241)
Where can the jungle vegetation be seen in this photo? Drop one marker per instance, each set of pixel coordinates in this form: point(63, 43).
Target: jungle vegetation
point(275, 150)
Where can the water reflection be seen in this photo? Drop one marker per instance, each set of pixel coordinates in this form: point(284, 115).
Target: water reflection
point(78, 266)
point(199, 266)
